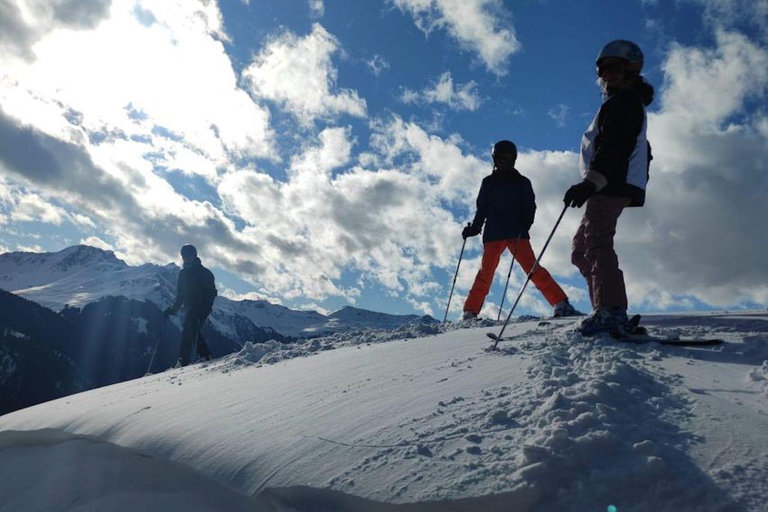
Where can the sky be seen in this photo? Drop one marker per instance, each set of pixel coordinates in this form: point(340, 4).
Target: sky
point(323, 153)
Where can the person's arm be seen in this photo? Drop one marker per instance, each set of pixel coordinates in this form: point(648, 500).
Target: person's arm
point(210, 289)
point(529, 205)
point(482, 207)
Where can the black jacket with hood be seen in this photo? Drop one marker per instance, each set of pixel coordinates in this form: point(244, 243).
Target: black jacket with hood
point(196, 289)
point(615, 153)
point(507, 205)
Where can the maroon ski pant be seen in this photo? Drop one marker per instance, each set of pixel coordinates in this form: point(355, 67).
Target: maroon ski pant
point(593, 253)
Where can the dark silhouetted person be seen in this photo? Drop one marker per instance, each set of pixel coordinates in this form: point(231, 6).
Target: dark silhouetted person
point(506, 205)
point(196, 292)
point(615, 158)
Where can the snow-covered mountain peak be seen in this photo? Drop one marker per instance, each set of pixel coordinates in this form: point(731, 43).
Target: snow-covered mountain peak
point(85, 255)
point(77, 256)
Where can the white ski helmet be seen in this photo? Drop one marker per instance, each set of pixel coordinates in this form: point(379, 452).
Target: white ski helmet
point(622, 49)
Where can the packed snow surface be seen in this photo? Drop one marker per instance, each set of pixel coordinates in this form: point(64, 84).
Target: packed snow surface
point(422, 418)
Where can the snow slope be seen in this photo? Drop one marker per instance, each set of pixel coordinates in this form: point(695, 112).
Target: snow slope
point(422, 420)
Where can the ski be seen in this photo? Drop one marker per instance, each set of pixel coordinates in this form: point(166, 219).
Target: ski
point(633, 332)
point(683, 342)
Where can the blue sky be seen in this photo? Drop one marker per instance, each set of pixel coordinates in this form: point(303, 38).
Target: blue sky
point(325, 153)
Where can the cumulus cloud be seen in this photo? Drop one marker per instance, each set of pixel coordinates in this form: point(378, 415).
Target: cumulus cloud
point(298, 74)
point(377, 64)
point(147, 219)
point(102, 147)
point(480, 26)
point(95, 241)
point(463, 97)
point(729, 13)
point(24, 23)
point(559, 114)
point(331, 215)
point(316, 8)
point(171, 91)
point(706, 211)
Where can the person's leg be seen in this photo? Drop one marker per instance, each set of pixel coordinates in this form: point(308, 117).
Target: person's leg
point(491, 255)
point(188, 337)
point(579, 256)
point(608, 287)
point(540, 277)
point(202, 346)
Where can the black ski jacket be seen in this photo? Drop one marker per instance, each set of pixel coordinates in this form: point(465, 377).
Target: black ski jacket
point(506, 204)
point(615, 152)
point(195, 290)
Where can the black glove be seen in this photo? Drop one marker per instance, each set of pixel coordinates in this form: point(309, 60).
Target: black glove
point(469, 231)
point(578, 194)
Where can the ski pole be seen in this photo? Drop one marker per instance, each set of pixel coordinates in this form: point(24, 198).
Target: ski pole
point(511, 265)
point(461, 255)
point(528, 278)
point(157, 343)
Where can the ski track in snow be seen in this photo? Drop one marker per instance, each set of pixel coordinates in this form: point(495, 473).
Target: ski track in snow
point(574, 423)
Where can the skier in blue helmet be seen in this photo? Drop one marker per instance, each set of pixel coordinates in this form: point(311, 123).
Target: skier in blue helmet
point(614, 164)
point(196, 292)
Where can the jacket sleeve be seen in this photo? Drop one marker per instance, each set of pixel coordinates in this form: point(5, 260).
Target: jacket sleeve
point(529, 205)
point(482, 207)
point(179, 293)
point(210, 289)
point(619, 123)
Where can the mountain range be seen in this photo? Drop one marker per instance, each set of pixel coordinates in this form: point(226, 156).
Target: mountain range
point(81, 274)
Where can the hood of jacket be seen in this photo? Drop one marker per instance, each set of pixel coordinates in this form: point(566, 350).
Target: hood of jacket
point(642, 89)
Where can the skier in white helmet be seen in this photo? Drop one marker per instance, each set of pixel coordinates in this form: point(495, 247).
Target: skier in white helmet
point(614, 164)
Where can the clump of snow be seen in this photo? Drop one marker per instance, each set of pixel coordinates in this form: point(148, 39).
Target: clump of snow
point(760, 376)
point(272, 352)
point(253, 352)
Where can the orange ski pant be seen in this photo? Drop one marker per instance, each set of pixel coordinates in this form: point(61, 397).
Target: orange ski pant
point(521, 248)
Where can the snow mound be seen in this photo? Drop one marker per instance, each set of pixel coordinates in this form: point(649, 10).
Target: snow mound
point(425, 418)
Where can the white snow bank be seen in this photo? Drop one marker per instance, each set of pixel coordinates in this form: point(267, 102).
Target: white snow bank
point(552, 421)
point(52, 471)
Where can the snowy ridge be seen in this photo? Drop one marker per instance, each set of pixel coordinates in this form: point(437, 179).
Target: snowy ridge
point(81, 274)
point(356, 421)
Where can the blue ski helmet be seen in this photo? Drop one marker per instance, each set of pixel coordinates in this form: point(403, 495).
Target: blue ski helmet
point(623, 49)
point(504, 147)
point(188, 252)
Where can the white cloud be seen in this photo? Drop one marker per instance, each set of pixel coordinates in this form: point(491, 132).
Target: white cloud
point(560, 114)
point(316, 8)
point(706, 195)
point(95, 241)
point(254, 296)
point(377, 64)
point(297, 73)
point(328, 218)
point(481, 26)
point(463, 97)
point(729, 13)
point(174, 77)
point(32, 207)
